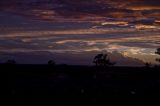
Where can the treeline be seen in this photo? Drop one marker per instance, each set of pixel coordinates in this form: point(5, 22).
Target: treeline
point(101, 59)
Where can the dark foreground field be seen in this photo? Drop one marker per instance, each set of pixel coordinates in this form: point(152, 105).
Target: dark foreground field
point(43, 84)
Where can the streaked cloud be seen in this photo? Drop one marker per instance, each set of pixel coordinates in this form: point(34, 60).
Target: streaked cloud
point(106, 12)
point(82, 9)
point(132, 27)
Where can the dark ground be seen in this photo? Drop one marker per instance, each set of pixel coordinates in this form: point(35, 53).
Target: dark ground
point(43, 84)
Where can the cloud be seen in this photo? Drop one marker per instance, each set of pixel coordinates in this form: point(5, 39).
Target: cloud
point(79, 41)
point(61, 26)
point(106, 12)
point(82, 9)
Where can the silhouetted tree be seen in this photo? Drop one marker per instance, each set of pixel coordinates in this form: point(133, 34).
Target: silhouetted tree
point(147, 64)
point(102, 60)
point(98, 59)
point(158, 52)
point(11, 61)
point(51, 62)
point(158, 60)
point(107, 62)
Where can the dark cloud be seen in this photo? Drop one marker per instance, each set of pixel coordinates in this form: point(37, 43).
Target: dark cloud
point(82, 9)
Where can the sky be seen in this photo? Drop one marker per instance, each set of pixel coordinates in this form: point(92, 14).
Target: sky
point(74, 31)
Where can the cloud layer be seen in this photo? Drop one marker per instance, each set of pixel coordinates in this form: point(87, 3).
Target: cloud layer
point(140, 14)
point(131, 27)
point(83, 9)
